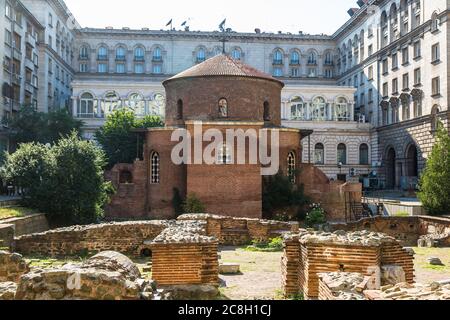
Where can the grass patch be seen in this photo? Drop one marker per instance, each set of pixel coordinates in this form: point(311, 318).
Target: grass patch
point(275, 245)
point(15, 212)
point(435, 268)
point(401, 214)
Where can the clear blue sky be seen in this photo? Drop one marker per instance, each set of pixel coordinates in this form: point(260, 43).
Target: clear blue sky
point(309, 16)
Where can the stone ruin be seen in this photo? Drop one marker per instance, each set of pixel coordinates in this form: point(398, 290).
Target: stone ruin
point(354, 286)
point(12, 266)
point(308, 254)
point(184, 258)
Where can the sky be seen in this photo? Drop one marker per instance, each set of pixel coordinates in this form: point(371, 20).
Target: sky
point(309, 16)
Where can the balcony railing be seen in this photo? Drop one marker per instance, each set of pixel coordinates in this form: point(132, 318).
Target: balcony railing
point(83, 57)
point(294, 62)
point(139, 58)
point(157, 59)
point(120, 58)
point(312, 62)
point(30, 39)
point(277, 62)
point(102, 57)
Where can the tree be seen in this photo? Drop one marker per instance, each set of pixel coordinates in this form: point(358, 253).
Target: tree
point(65, 180)
point(434, 186)
point(279, 194)
point(117, 137)
point(30, 125)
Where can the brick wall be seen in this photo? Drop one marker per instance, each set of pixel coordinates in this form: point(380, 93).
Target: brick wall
point(407, 230)
point(241, 231)
point(124, 237)
point(27, 225)
point(307, 255)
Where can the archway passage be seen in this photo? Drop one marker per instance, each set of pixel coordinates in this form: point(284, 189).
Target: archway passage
point(412, 168)
point(390, 169)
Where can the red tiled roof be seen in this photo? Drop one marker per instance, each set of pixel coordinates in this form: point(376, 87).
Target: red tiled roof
point(223, 65)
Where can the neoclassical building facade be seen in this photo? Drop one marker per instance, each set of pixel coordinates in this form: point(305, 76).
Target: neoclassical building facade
point(372, 91)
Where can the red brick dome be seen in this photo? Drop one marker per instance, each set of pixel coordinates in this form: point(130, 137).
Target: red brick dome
point(223, 65)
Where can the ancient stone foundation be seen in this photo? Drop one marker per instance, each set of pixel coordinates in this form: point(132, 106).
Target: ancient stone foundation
point(125, 237)
point(183, 257)
point(241, 231)
point(410, 231)
point(306, 254)
point(12, 266)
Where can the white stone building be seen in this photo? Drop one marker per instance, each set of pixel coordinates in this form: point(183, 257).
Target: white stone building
point(372, 91)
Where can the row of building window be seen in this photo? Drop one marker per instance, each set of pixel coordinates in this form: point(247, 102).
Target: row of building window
point(319, 154)
point(139, 68)
point(320, 110)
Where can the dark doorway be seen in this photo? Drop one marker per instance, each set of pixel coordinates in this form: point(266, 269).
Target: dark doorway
point(390, 169)
point(412, 168)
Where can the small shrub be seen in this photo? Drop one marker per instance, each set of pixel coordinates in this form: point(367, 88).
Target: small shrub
point(193, 205)
point(274, 245)
point(315, 216)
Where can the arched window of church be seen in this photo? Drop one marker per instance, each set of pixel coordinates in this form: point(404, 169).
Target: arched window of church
point(319, 154)
point(298, 109)
point(266, 111)
point(291, 170)
point(155, 168)
point(224, 155)
point(342, 153)
point(223, 108)
point(180, 109)
point(364, 154)
point(319, 110)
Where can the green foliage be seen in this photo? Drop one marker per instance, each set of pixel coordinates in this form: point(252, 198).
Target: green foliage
point(435, 181)
point(29, 125)
point(177, 202)
point(65, 180)
point(274, 245)
point(117, 138)
point(315, 216)
point(193, 205)
point(279, 193)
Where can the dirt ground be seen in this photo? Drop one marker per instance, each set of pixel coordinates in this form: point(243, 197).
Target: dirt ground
point(260, 277)
point(261, 272)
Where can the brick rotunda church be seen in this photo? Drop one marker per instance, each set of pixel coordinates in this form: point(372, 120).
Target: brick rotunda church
point(222, 93)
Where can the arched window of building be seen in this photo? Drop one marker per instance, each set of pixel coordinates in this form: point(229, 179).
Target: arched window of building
point(155, 168)
point(180, 109)
point(266, 111)
point(319, 154)
point(342, 110)
point(434, 118)
point(298, 109)
point(278, 57)
point(328, 59)
point(291, 167)
point(434, 22)
point(224, 155)
point(120, 53)
point(404, 17)
point(295, 57)
point(384, 29)
point(201, 55)
point(236, 54)
point(139, 54)
point(223, 108)
point(157, 105)
point(111, 102)
point(86, 106)
point(319, 109)
point(157, 54)
point(364, 154)
point(84, 52)
point(102, 53)
point(136, 103)
point(312, 58)
point(342, 153)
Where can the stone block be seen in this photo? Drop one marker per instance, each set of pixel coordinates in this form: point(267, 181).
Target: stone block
point(229, 268)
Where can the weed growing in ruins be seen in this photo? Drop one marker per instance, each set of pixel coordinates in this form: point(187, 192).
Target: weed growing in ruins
point(274, 245)
point(193, 204)
point(316, 216)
